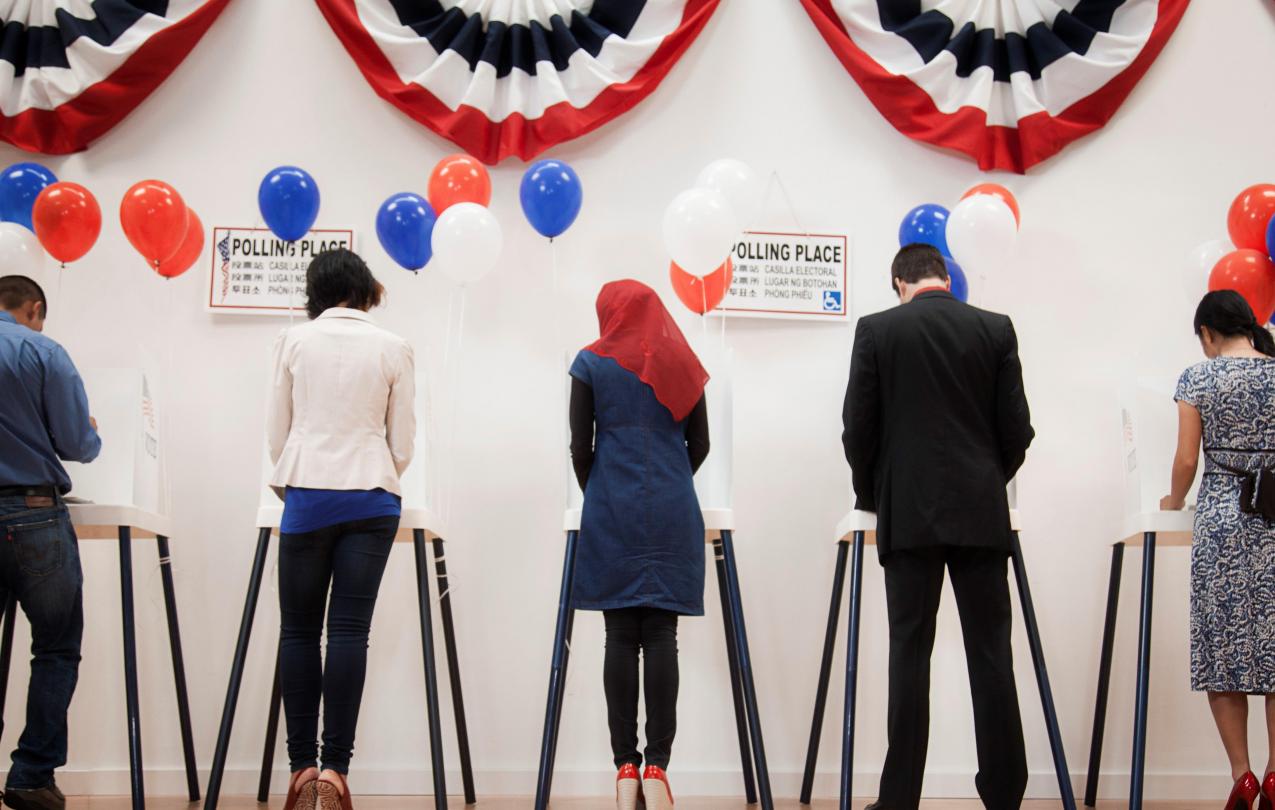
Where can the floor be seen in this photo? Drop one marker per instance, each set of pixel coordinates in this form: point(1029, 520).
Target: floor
point(521, 803)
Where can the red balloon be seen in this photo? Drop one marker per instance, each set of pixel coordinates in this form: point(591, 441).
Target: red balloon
point(154, 218)
point(458, 178)
point(702, 295)
point(997, 190)
point(189, 252)
point(67, 220)
point(1249, 215)
point(1251, 273)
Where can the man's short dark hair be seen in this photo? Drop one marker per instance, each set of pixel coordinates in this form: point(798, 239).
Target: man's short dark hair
point(340, 278)
point(917, 261)
point(15, 291)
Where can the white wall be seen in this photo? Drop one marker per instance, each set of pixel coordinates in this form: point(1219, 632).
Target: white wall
point(1106, 229)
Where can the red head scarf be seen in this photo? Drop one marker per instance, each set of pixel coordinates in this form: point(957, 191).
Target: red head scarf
point(639, 334)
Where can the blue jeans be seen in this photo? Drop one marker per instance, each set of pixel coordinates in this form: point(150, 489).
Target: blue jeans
point(40, 566)
point(348, 559)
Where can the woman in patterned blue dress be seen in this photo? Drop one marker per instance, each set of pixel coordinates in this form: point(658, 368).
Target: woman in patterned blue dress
point(1228, 404)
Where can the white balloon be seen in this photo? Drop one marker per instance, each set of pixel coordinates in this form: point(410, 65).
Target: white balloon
point(981, 232)
point(699, 230)
point(467, 241)
point(739, 184)
point(20, 252)
point(1195, 281)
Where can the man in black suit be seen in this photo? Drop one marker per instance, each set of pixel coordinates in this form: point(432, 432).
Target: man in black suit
point(936, 425)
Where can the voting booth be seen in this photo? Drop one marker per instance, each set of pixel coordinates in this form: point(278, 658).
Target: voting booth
point(421, 524)
point(714, 490)
point(120, 496)
point(853, 532)
point(1149, 426)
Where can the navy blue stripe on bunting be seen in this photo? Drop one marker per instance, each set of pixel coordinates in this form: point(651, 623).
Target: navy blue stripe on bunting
point(933, 32)
point(507, 46)
point(45, 46)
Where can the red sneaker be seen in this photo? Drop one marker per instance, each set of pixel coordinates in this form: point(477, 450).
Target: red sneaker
point(659, 796)
point(628, 788)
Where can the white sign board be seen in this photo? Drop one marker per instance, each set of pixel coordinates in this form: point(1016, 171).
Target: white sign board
point(789, 275)
point(127, 471)
point(1149, 419)
point(253, 272)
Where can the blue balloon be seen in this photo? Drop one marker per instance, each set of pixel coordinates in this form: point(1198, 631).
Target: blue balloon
point(20, 184)
point(551, 196)
point(1270, 237)
point(405, 226)
point(960, 284)
point(926, 224)
point(289, 202)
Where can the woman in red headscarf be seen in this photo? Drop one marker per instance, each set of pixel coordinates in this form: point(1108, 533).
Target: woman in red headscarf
point(639, 430)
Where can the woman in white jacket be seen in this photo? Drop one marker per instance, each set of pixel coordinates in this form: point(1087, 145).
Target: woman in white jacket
point(341, 428)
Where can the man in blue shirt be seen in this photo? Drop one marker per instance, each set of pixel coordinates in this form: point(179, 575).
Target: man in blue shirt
point(44, 419)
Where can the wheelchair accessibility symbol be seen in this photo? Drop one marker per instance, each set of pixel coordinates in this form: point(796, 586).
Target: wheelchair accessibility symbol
point(832, 301)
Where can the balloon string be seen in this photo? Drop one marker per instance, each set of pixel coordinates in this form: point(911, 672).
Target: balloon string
point(165, 419)
point(703, 313)
point(292, 288)
point(723, 319)
point(457, 399)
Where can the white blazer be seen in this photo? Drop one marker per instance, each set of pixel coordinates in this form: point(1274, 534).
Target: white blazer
point(342, 405)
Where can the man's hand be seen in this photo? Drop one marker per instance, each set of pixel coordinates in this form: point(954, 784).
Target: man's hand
point(1169, 504)
point(93, 423)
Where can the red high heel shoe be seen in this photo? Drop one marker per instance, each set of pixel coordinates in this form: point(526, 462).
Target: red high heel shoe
point(1244, 793)
point(659, 796)
point(1268, 792)
point(628, 788)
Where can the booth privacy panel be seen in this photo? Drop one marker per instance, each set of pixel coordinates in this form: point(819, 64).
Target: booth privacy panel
point(1149, 420)
point(127, 472)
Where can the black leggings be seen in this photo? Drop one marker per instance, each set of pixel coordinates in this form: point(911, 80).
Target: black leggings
point(654, 632)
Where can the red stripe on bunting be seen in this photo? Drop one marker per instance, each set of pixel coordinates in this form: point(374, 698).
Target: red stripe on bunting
point(72, 126)
point(492, 142)
point(1037, 137)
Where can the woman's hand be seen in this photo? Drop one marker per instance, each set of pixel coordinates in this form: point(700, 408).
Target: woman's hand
point(1170, 504)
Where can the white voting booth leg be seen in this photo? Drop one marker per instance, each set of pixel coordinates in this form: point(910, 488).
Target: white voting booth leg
point(1149, 425)
point(125, 488)
point(713, 489)
point(420, 525)
point(854, 531)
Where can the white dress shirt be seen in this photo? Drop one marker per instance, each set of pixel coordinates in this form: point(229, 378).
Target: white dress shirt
point(342, 405)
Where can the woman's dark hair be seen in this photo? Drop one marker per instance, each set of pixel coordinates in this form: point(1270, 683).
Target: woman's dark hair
point(1226, 313)
point(339, 278)
point(917, 261)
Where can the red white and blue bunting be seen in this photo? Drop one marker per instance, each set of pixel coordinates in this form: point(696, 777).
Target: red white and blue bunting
point(515, 77)
point(1007, 82)
point(72, 69)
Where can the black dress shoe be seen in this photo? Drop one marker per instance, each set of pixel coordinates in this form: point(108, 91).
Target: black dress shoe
point(45, 798)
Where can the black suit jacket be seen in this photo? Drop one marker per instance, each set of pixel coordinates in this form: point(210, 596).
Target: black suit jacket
point(936, 423)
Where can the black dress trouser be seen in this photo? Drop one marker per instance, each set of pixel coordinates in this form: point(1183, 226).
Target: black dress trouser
point(653, 632)
point(913, 585)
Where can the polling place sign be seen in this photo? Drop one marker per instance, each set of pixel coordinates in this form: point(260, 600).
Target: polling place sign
point(789, 275)
point(253, 272)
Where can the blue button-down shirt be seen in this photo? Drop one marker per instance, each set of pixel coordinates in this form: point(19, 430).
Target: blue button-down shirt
point(44, 412)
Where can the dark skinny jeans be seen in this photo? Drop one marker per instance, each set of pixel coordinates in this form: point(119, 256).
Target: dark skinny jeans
point(348, 559)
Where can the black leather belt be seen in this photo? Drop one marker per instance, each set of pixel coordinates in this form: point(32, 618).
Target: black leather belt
point(30, 492)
